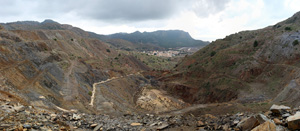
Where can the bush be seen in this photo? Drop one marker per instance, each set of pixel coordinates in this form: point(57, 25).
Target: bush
point(288, 28)
point(90, 93)
point(107, 50)
point(255, 44)
point(213, 53)
point(296, 42)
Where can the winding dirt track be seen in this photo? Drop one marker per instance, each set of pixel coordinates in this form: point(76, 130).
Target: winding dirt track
point(101, 82)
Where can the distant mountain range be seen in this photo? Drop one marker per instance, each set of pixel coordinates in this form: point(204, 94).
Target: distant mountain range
point(161, 38)
point(157, 40)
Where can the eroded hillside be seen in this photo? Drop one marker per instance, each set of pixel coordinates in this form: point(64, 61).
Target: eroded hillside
point(56, 68)
point(249, 66)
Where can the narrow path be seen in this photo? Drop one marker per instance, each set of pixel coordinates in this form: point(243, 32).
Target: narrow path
point(94, 89)
point(101, 82)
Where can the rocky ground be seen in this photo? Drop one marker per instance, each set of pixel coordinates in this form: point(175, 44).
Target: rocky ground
point(14, 116)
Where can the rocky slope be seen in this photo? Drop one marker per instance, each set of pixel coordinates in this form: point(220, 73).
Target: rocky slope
point(55, 66)
point(249, 66)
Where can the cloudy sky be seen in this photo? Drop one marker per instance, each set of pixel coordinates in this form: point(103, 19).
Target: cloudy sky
point(203, 19)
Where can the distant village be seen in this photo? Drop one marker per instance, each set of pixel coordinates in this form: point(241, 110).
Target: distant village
point(171, 53)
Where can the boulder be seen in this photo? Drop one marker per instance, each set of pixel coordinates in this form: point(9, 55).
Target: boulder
point(286, 115)
point(136, 124)
point(94, 125)
point(252, 122)
point(53, 117)
point(162, 126)
point(279, 109)
point(200, 124)
point(248, 123)
point(261, 118)
point(18, 108)
point(97, 128)
point(294, 121)
point(266, 126)
point(76, 117)
point(277, 121)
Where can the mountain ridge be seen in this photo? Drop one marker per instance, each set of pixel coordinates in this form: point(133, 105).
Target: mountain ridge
point(163, 38)
point(157, 40)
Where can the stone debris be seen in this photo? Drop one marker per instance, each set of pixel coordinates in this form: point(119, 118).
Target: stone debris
point(14, 116)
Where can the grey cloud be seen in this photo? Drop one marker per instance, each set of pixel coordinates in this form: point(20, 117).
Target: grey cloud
point(204, 8)
point(130, 10)
point(111, 10)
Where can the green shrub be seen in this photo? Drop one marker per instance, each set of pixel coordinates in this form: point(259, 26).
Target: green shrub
point(255, 44)
point(90, 93)
point(296, 42)
point(108, 50)
point(55, 39)
point(288, 28)
point(213, 53)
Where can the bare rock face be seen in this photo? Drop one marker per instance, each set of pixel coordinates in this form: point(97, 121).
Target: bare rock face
point(294, 121)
